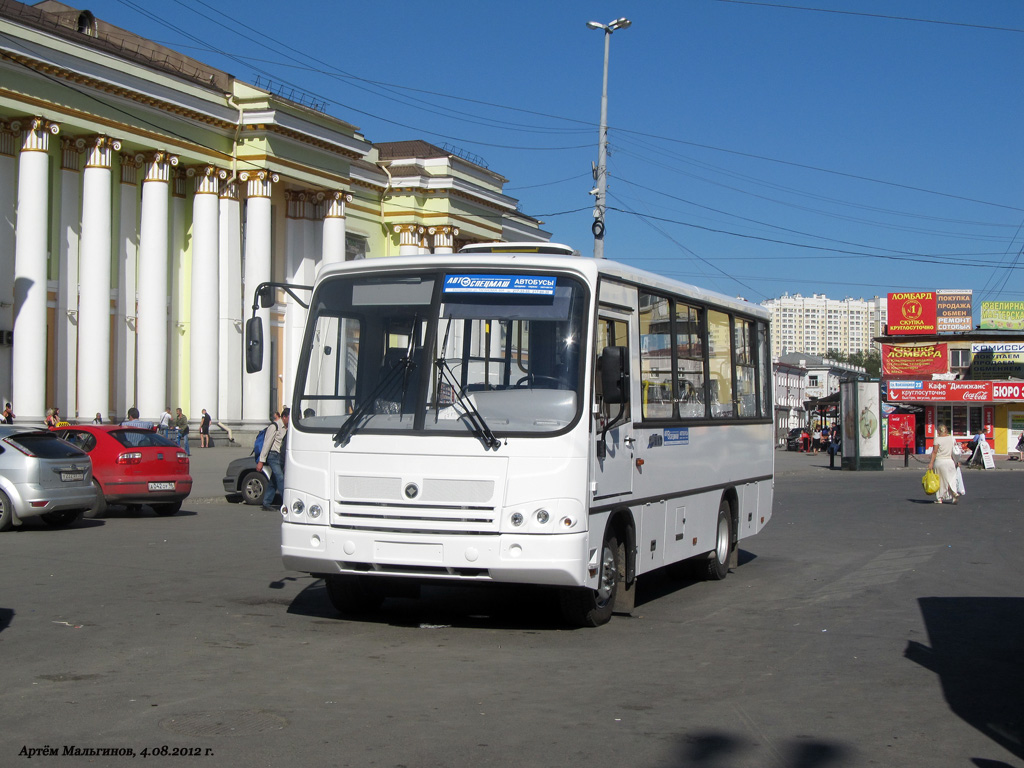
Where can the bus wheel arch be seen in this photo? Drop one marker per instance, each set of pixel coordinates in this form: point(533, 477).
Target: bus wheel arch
point(616, 563)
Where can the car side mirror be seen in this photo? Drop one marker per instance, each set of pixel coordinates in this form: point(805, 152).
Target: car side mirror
point(614, 375)
point(253, 345)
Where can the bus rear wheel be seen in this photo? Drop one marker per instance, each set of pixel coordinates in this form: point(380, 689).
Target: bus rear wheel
point(353, 594)
point(583, 607)
point(717, 564)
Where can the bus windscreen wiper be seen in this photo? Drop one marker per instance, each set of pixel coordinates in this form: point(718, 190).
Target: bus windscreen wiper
point(403, 368)
point(475, 418)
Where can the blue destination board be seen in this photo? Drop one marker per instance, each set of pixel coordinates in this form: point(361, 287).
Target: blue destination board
point(523, 285)
point(677, 435)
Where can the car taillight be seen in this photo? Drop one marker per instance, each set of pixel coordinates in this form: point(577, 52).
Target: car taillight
point(183, 458)
point(135, 457)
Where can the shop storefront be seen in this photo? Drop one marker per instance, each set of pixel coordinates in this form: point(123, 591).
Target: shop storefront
point(994, 407)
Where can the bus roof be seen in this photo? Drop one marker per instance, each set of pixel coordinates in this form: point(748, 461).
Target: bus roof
point(554, 256)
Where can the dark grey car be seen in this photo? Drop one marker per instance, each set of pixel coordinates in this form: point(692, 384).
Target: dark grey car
point(242, 479)
point(42, 476)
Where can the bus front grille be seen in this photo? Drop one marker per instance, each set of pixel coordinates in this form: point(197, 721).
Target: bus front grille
point(408, 519)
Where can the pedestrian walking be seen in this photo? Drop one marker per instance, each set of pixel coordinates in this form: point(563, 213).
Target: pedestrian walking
point(181, 423)
point(834, 446)
point(816, 440)
point(166, 422)
point(272, 456)
point(9, 414)
point(950, 483)
point(204, 430)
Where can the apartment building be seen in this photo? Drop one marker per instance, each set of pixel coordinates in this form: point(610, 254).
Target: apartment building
point(817, 324)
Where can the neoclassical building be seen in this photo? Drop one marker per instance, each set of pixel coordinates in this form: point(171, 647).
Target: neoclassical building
point(144, 195)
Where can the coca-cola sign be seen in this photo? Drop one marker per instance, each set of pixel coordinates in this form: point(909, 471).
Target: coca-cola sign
point(940, 391)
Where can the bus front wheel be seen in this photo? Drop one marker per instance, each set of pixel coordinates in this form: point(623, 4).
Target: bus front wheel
point(583, 607)
point(353, 594)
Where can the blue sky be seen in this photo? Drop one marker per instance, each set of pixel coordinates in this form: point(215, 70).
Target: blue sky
point(756, 148)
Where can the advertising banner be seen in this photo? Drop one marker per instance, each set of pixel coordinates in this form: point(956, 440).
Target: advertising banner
point(940, 391)
point(898, 360)
point(954, 310)
point(912, 312)
point(1002, 315)
point(997, 361)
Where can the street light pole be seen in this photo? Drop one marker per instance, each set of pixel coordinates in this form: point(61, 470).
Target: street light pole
point(600, 173)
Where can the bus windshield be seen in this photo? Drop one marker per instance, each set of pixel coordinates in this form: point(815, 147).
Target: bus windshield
point(443, 352)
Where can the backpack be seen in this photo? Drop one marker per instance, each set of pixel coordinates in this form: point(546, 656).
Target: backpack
point(257, 445)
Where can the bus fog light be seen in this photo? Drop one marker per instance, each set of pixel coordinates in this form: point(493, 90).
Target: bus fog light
point(517, 519)
point(298, 506)
point(568, 522)
point(315, 511)
point(542, 516)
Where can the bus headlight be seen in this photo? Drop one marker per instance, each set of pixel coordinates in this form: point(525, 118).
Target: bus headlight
point(517, 519)
point(542, 516)
point(298, 507)
point(314, 511)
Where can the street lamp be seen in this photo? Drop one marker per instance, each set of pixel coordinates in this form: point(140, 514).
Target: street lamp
point(600, 175)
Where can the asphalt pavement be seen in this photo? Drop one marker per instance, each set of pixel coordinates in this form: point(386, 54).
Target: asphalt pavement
point(865, 626)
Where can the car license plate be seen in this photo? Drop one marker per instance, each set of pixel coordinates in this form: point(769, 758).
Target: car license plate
point(70, 477)
point(161, 486)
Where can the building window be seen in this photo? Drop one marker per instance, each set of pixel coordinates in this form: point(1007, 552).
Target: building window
point(355, 247)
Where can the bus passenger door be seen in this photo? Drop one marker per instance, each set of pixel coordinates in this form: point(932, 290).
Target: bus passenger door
point(613, 474)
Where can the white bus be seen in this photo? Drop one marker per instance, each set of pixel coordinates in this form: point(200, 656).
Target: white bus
point(516, 413)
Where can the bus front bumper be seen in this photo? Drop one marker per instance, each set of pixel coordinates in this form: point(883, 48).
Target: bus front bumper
point(551, 559)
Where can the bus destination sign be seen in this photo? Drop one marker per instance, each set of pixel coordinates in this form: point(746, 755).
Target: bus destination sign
point(522, 285)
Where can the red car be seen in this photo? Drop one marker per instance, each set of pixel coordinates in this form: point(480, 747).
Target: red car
point(133, 466)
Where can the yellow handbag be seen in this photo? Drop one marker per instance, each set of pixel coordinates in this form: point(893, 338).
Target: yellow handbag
point(930, 481)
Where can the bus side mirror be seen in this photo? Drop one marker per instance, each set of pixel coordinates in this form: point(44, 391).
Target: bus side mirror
point(253, 345)
point(614, 378)
point(266, 297)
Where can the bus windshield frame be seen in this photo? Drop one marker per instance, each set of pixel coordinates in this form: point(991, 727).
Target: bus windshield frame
point(444, 351)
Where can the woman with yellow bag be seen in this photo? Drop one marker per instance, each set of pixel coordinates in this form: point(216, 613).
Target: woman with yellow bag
point(943, 465)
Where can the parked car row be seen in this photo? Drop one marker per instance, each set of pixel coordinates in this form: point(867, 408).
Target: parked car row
point(60, 474)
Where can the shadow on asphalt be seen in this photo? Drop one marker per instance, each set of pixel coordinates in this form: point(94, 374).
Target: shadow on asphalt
point(976, 650)
point(717, 748)
point(494, 606)
point(6, 614)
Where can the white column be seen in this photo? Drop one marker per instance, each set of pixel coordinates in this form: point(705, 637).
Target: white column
point(231, 315)
point(334, 228)
point(30, 251)
point(408, 238)
point(125, 318)
point(154, 247)
point(66, 318)
point(444, 238)
point(9, 140)
point(177, 346)
point(204, 314)
point(256, 386)
point(94, 279)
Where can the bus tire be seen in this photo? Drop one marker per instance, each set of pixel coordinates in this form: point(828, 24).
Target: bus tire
point(353, 594)
point(717, 564)
point(583, 607)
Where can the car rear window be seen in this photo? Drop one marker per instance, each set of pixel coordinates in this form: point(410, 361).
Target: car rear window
point(46, 446)
point(140, 438)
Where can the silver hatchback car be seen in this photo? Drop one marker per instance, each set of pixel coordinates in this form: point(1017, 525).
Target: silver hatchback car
point(42, 476)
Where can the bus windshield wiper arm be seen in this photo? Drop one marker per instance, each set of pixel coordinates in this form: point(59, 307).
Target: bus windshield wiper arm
point(476, 419)
point(342, 436)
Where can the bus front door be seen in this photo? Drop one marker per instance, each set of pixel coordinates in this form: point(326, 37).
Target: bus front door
point(613, 473)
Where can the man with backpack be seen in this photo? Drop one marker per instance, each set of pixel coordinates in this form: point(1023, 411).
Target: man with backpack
point(271, 455)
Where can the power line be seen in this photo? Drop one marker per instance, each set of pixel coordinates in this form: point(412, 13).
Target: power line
point(874, 15)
